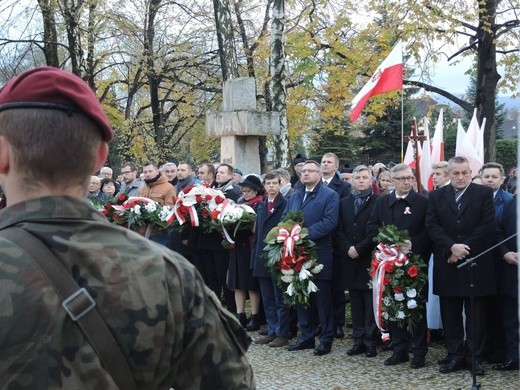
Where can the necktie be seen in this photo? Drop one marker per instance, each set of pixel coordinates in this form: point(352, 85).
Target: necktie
point(307, 194)
point(270, 207)
point(326, 183)
point(357, 204)
point(458, 195)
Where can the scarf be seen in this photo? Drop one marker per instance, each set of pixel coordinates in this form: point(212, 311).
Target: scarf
point(360, 198)
point(151, 181)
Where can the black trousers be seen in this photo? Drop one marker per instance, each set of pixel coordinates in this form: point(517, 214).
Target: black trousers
point(364, 328)
point(510, 316)
point(451, 313)
point(417, 341)
point(215, 267)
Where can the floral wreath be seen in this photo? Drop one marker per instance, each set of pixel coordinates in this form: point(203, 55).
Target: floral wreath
point(194, 204)
point(230, 217)
point(292, 259)
point(398, 280)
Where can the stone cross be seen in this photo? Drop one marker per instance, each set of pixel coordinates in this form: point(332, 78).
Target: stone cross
point(239, 125)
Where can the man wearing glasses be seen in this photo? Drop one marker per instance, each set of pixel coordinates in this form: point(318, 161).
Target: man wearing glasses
point(320, 206)
point(406, 209)
point(131, 183)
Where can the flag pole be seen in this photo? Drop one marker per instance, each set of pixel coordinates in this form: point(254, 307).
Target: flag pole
point(402, 124)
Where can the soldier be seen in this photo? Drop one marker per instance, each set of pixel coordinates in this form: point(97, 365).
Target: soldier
point(168, 328)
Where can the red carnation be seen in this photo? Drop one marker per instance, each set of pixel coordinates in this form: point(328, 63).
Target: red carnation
point(386, 280)
point(219, 199)
point(205, 213)
point(208, 198)
point(389, 267)
point(104, 212)
point(413, 271)
point(298, 267)
point(398, 290)
point(122, 197)
point(198, 198)
point(214, 214)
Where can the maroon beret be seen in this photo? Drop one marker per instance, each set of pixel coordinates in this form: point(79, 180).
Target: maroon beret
point(54, 88)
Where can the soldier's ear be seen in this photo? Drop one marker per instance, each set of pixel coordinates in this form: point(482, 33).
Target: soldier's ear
point(6, 154)
point(102, 156)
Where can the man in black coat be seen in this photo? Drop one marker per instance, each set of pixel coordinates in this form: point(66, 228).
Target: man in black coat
point(508, 287)
point(353, 249)
point(330, 178)
point(268, 215)
point(460, 224)
point(406, 209)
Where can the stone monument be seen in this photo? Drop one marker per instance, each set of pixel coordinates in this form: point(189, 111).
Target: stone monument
point(239, 125)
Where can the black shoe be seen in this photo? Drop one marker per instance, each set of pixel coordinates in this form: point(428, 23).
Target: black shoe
point(242, 318)
point(371, 352)
point(451, 366)
point(339, 333)
point(511, 365)
point(317, 331)
point(254, 323)
point(323, 349)
point(396, 359)
point(445, 360)
point(357, 349)
point(263, 333)
point(417, 362)
point(388, 346)
point(301, 345)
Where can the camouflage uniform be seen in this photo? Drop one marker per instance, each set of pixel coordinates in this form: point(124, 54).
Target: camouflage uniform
point(170, 327)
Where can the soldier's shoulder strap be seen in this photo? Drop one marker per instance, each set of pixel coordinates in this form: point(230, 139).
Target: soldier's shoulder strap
point(78, 304)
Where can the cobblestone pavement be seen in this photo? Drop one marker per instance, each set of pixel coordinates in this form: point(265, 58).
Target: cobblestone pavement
point(276, 368)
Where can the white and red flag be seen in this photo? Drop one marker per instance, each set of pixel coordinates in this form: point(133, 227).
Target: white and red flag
point(425, 161)
point(465, 148)
point(388, 77)
point(438, 140)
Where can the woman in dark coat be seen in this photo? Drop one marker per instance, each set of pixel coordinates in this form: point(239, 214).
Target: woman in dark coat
point(240, 275)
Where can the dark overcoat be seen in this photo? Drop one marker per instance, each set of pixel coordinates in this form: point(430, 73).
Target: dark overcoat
point(472, 225)
point(351, 231)
point(507, 227)
point(320, 210)
point(264, 223)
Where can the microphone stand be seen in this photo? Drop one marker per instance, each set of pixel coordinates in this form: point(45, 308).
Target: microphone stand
point(471, 264)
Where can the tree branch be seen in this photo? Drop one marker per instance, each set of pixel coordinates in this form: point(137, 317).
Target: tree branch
point(430, 88)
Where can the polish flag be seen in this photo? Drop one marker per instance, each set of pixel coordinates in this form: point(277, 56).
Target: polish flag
point(438, 140)
point(408, 156)
point(388, 77)
point(425, 161)
point(465, 148)
point(476, 135)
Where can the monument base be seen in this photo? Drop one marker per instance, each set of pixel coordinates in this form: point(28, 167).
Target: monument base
point(241, 152)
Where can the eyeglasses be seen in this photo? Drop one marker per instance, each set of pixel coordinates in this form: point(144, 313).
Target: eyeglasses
point(406, 178)
point(125, 172)
point(309, 170)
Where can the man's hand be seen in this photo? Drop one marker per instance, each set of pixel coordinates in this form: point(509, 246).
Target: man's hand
point(459, 252)
point(511, 258)
point(353, 253)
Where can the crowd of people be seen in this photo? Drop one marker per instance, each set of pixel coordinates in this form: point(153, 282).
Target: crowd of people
point(166, 315)
point(343, 209)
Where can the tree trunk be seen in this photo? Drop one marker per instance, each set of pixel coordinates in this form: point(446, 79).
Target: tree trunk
point(71, 13)
point(487, 75)
point(153, 79)
point(50, 40)
point(225, 39)
point(281, 142)
point(92, 17)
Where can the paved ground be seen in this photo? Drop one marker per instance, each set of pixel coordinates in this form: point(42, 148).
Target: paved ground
point(276, 368)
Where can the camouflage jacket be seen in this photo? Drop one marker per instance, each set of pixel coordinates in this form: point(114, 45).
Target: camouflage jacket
point(171, 328)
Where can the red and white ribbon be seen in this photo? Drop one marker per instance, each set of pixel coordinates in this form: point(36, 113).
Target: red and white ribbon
point(384, 254)
point(226, 203)
point(289, 239)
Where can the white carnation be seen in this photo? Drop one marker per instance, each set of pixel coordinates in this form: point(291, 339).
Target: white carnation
point(287, 278)
point(311, 287)
point(411, 293)
point(150, 207)
point(400, 315)
point(304, 274)
point(317, 269)
point(136, 210)
point(412, 304)
point(387, 301)
point(290, 290)
point(385, 315)
point(399, 297)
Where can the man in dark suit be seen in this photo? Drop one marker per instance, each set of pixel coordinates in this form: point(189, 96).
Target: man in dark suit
point(331, 179)
point(493, 176)
point(508, 287)
point(460, 224)
point(406, 209)
point(353, 249)
point(268, 215)
point(320, 209)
